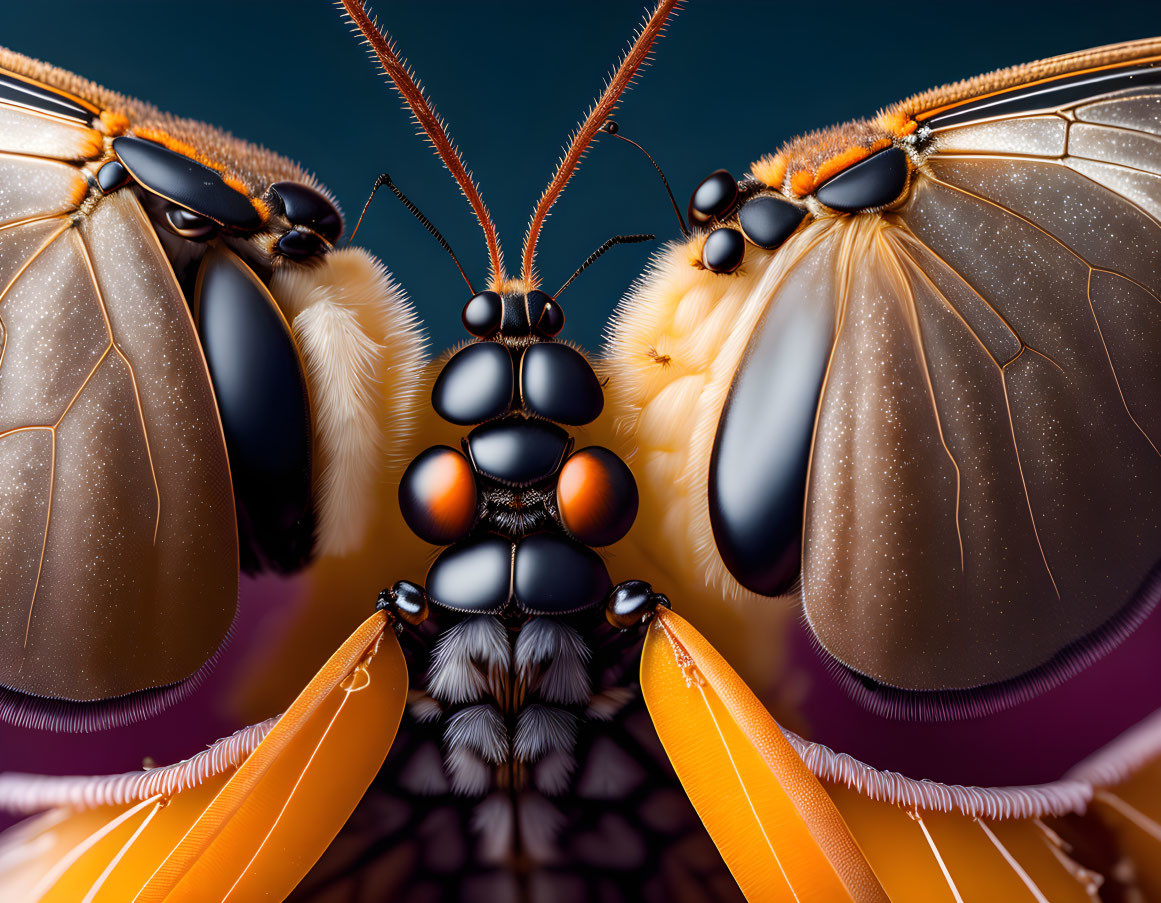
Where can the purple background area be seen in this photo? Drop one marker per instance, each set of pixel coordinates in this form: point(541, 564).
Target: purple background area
point(265, 606)
point(1031, 743)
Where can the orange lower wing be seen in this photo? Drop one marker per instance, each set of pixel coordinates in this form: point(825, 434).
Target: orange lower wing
point(247, 835)
point(774, 824)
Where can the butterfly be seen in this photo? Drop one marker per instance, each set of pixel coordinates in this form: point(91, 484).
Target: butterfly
point(901, 371)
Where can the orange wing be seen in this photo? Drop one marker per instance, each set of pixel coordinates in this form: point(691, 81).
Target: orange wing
point(213, 829)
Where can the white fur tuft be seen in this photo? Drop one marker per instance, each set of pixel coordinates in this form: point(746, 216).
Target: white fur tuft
point(362, 352)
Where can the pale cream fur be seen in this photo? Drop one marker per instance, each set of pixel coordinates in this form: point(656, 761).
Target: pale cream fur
point(362, 350)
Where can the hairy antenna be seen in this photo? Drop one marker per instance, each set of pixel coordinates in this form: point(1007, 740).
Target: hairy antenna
point(427, 119)
point(602, 109)
point(592, 258)
point(385, 179)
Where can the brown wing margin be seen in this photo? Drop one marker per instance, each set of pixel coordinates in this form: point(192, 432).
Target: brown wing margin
point(118, 547)
point(1020, 285)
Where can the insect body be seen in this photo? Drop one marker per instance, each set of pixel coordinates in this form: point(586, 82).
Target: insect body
point(860, 375)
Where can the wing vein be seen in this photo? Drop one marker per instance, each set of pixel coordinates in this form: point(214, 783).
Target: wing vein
point(132, 379)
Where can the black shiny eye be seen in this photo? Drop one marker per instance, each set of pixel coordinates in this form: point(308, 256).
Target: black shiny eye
point(300, 245)
point(304, 206)
point(483, 314)
point(875, 182)
point(544, 313)
point(769, 221)
point(713, 197)
point(189, 225)
point(112, 175)
point(551, 320)
point(723, 250)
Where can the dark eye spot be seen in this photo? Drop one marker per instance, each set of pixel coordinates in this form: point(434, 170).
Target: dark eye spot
point(723, 250)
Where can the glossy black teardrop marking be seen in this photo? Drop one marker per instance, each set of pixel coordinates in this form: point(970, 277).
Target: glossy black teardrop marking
point(874, 182)
point(483, 314)
point(757, 475)
point(186, 183)
point(33, 97)
point(713, 197)
point(304, 206)
point(262, 398)
point(473, 576)
point(768, 221)
point(1048, 95)
point(723, 251)
point(477, 384)
point(557, 383)
point(111, 176)
point(299, 245)
point(516, 451)
point(555, 575)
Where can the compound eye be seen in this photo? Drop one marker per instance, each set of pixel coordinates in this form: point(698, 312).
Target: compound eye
point(437, 496)
point(189, 225)
point(723, 250)
point(714, 196)
point(304, 206)
point(551, 320)
point(483, 314)
point(300, 245)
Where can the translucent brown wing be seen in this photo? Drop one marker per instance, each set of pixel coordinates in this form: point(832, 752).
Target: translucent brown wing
point(984, 475)
point(118, 548)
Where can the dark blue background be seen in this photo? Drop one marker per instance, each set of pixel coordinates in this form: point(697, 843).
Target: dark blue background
point(731, 81)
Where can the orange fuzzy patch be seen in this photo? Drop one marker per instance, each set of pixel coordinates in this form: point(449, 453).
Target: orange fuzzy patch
point(802, 183)
point(771, 170)
point(260, 205)
point(897, 122)
point(94, 144)
point(79, 190)
point(115, 123)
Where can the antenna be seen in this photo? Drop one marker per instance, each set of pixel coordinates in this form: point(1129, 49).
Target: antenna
point(611, 128)
point(385, 179)
point(602, 109)
point(429, 121)
point(592, 258)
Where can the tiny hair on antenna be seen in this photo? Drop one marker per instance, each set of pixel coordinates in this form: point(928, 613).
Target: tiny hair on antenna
point(425, 116)
point(385, 179)
point(619, 82)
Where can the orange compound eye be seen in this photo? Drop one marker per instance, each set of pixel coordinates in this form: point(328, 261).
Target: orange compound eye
point(597, 496)
point(437, 495)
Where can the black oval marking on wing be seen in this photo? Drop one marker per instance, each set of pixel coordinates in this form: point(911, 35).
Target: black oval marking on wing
point(186, 182)
point(1052, 95)
point(557, 383)
point(262, 398)
point(768, 221)
point(478, 383)
point(758, 467)
point(517, 451)
point(35, 97)
point(473, 576)
point(555, 575)
point(871, 183)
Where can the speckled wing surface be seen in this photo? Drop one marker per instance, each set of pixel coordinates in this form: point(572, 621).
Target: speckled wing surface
point(118, 548)
point(937, 387)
